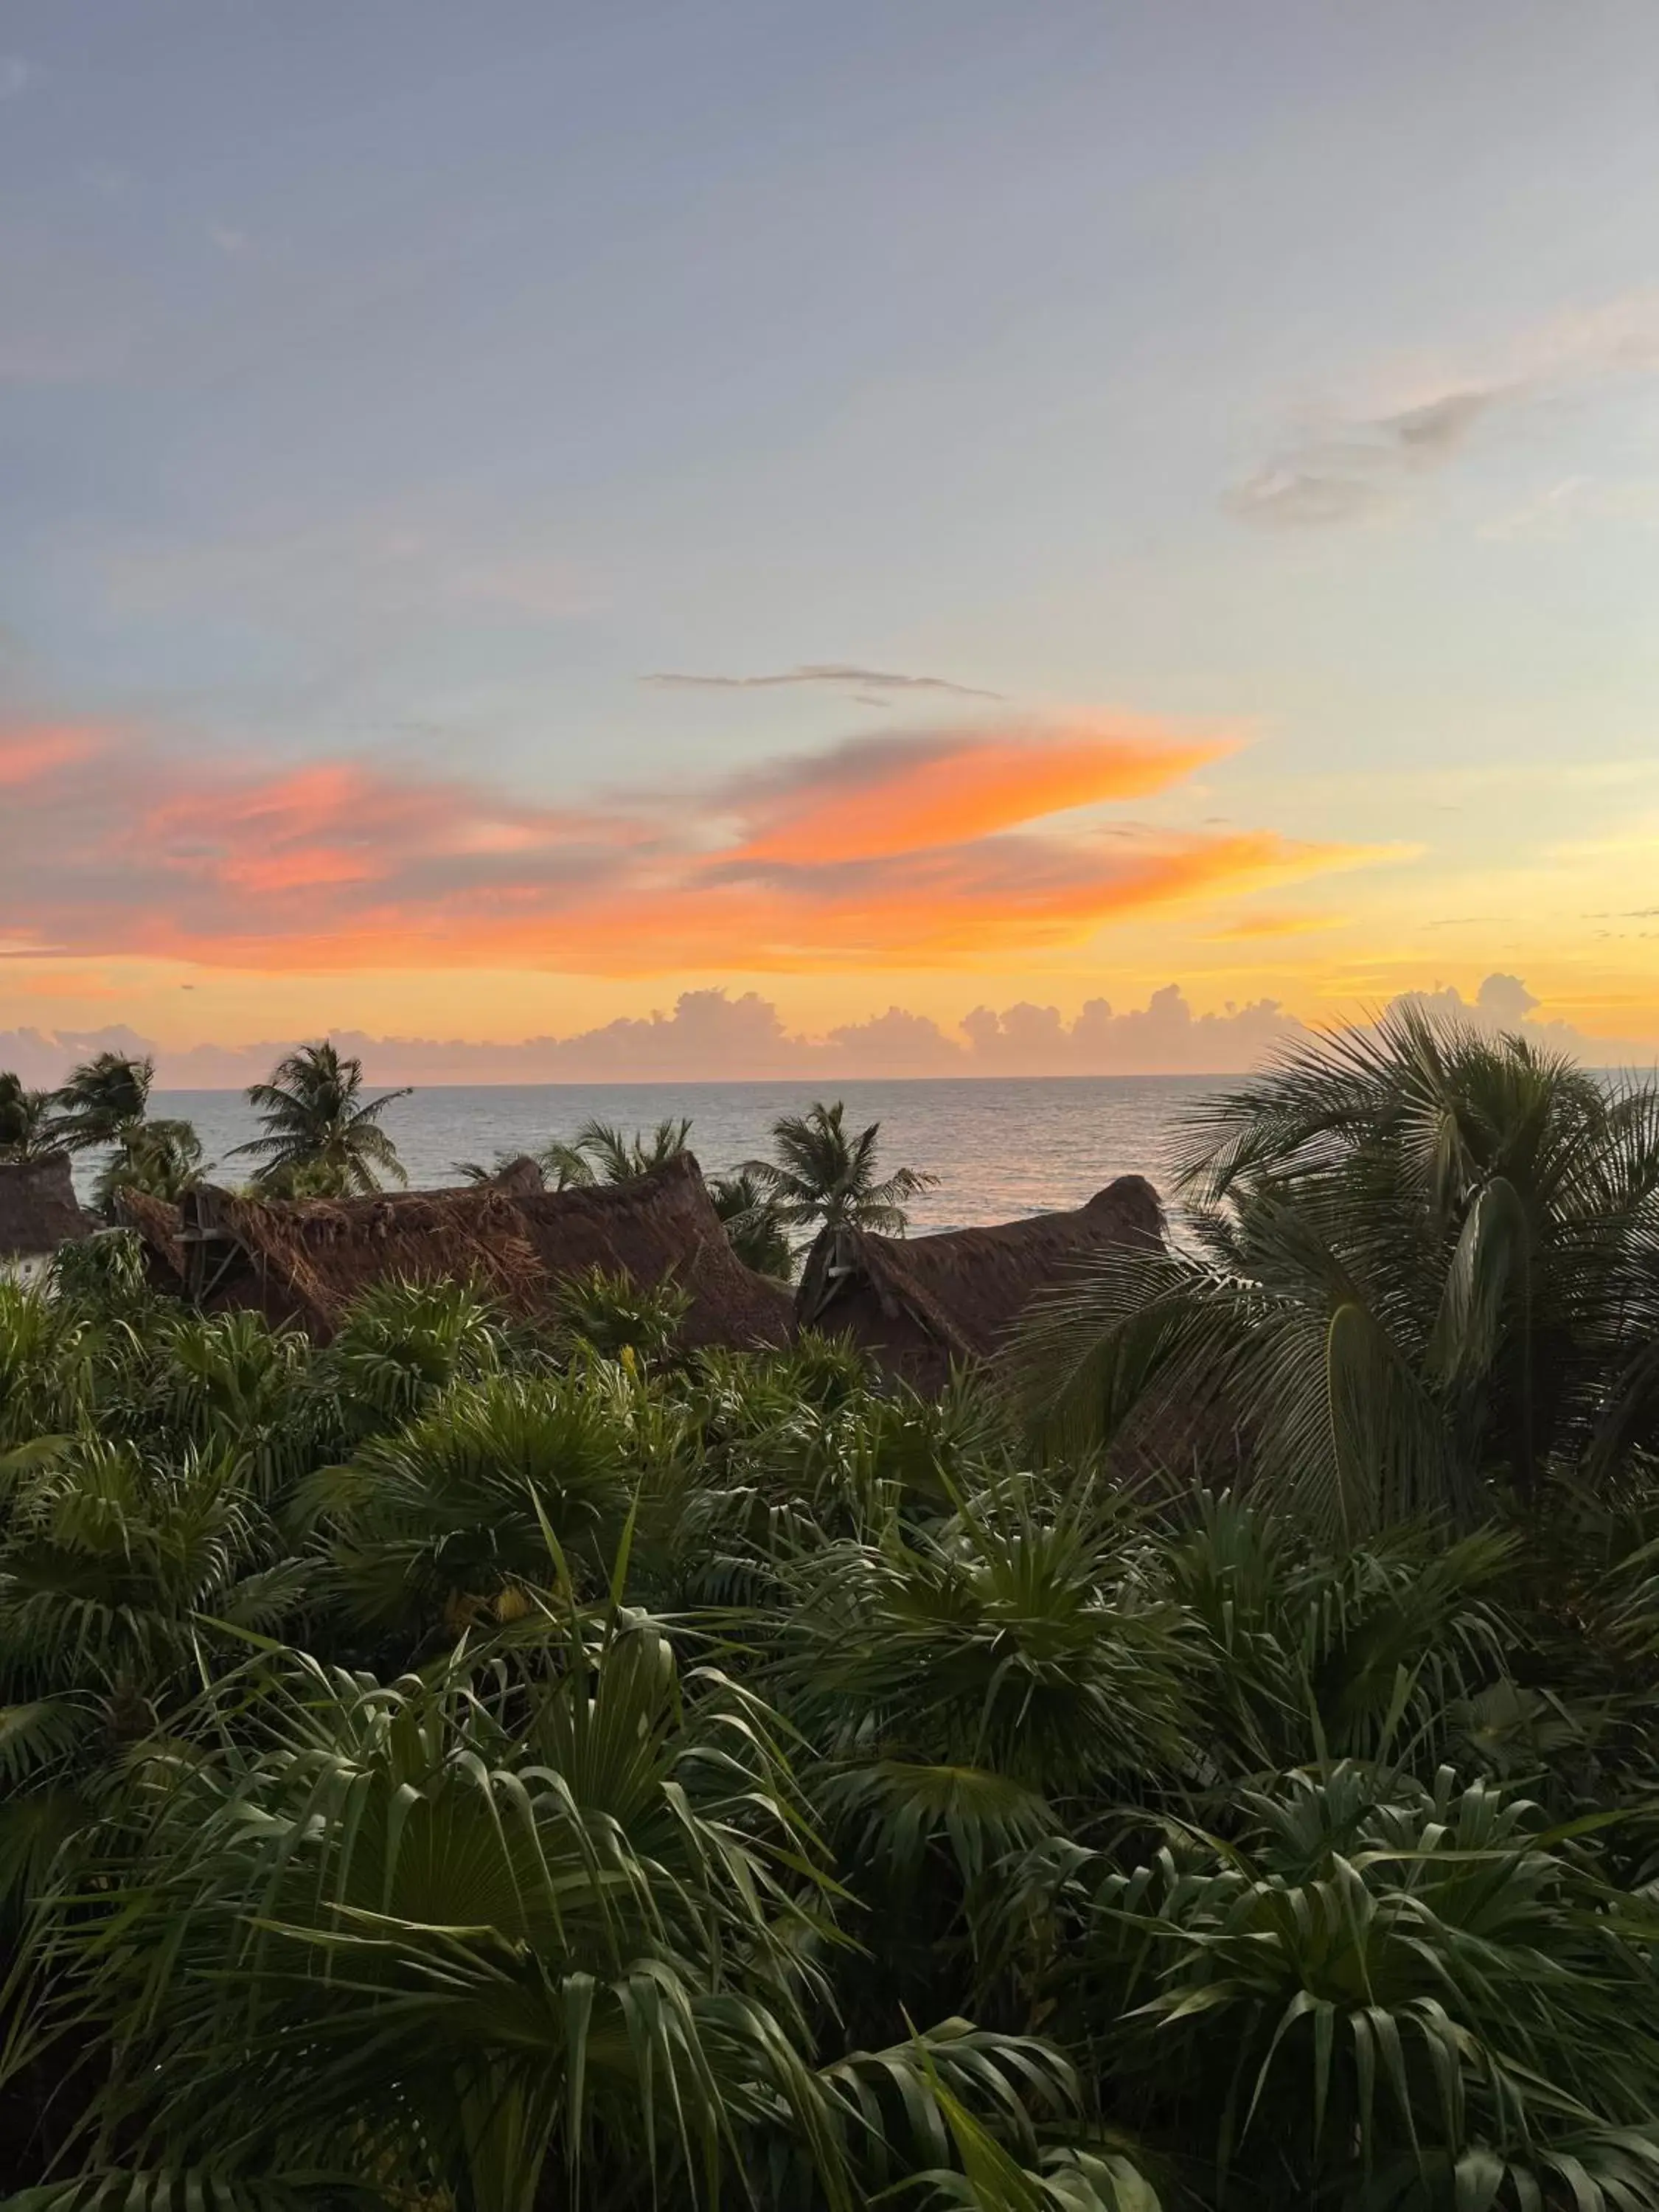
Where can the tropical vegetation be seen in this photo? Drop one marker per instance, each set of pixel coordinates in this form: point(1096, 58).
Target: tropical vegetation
point(102, 1107)
point(1421, 1264)
point(319, 1136)
point(825, 1174)
point(477, 1767)
point(25, 1134)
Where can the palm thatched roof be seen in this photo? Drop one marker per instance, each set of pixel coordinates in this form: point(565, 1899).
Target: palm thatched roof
point(307, 1260)
point(39, 1210)
point(659, 1224)
point(922, 1304)
point(520, 1174)
point(160, 1229)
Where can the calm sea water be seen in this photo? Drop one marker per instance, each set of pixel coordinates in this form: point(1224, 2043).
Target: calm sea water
point(1001, 1148)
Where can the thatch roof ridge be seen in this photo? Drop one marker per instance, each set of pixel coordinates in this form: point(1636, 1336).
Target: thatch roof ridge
point(520, 1173)
point(39, 1210)
point(308, 1259)
point(324, 1252)
point(654, 1225)
point(960, 1291)
point(159, 1225)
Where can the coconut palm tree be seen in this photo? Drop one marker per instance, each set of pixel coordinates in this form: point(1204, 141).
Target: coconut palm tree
point(1421, 1262)
point(600, 1152)
point(162, 1158)
point(25, 1129)
point(321, 1135)
point(105, 1104)
point(102, 1100)
point(826, 1175)
point(754, 1225)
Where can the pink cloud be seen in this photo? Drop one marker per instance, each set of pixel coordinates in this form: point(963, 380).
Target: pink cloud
point(708, 1035)
point(938, 849)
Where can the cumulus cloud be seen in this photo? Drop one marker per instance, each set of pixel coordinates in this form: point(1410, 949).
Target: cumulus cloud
point(1503, 1002)
point(711, 1036)
point(837, 674)
point(935, 848)
point(1351, 463)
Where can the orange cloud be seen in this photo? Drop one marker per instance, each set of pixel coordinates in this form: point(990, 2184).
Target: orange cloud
point(894, 795)
point(1249, 927)
point(30, 753)
point(900, 851)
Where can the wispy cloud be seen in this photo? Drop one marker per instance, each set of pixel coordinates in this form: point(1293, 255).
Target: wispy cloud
point(1349, 470)
point(935, 848)
point(836, 674)
point(1563, 508)
point(1351, 464)
point(17, 75)
point(231, 242)
point(1245, 928)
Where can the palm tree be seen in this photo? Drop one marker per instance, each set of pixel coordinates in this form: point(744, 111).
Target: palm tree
point(162, 1158)
point(602, 1152)
point(26, 1130)
point(321, 1136)
point(442, 1521)
point(102, 1100)
point(824, 1174)
point(105, 1104)
point(1420, 1261)
point(754, 1226)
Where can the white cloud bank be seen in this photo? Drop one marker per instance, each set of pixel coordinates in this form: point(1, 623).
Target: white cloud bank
point(712, 1037)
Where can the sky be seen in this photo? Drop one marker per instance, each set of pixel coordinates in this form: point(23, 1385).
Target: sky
point(550, 538)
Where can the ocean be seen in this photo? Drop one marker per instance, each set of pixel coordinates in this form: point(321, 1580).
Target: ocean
point(1001, 1148)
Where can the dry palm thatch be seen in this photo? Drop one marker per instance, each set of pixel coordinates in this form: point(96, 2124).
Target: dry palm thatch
point(923, 1304)
point(307, 1260)
point(160, 1227)
point(39, 1210)
point(661, 1224)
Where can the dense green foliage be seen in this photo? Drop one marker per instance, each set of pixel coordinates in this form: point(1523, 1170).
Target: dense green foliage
point(753, 1224)
point(1421, 1268)
point(471, 1766)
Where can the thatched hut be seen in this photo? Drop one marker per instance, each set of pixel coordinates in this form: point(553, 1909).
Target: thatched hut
point(922, 1304)
point(159, 1228)
point(659, 1224)
point(38, 1211)
point(306, 1260)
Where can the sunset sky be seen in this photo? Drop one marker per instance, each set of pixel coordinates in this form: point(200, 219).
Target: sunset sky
point(518, 516)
